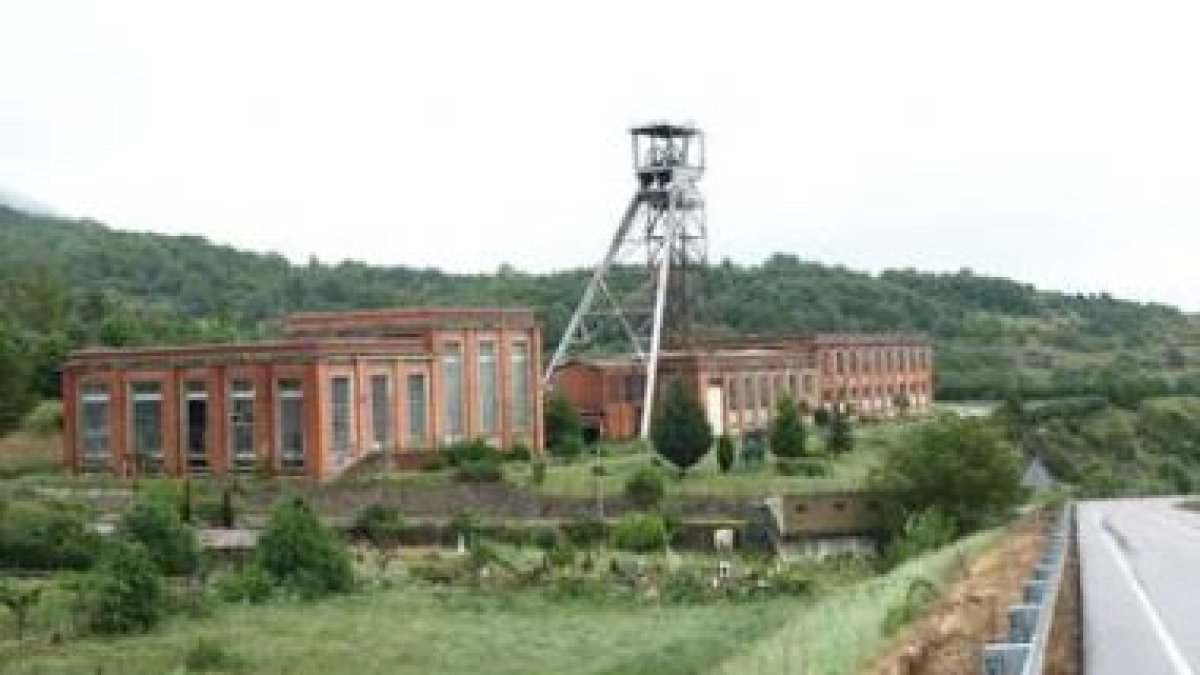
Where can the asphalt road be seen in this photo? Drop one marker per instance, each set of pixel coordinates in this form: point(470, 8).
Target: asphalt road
point(1140, 575)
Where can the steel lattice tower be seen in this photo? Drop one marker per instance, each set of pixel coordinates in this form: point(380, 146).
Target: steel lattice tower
point(644, 292)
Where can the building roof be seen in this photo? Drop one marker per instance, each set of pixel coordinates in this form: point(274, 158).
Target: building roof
point(415, 318)
point(244, 351)
point(666, 129)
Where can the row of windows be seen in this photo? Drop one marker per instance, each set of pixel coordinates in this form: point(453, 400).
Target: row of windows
point(146, 439)
point(488, 390)
point(877, 360)
point(146, 417)
point(756, 390)
point(877, 391)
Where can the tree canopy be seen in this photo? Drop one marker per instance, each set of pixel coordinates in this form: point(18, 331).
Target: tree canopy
point(65, 284)
point(680, 431)
point(960, 466)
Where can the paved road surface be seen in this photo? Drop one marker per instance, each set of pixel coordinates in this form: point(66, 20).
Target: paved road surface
point(1140, 570)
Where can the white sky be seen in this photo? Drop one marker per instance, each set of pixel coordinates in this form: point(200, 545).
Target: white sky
point(1053, 142)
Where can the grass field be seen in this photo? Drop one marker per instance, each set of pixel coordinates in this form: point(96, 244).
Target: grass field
point(841, 632)
point(618, 461)
point(418, 628)
point(427, 630)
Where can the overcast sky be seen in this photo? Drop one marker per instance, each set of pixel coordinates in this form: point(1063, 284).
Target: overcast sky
point(1053, 142)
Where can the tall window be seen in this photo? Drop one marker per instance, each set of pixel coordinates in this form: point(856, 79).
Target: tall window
point(381, 411)
point(452, 392)
point(841, 368)
point(764, 390)
point(93, 417)
point(147, 425)
point(342, 408)
point(291, 424)
point(487, 388)
point(417, 406)
point(751, 399)
point(733, 393)
point(519, 378)
point(195, 425)
point(241, 424)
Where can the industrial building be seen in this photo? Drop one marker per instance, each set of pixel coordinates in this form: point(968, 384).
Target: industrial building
point(337, 387)
point(739, 383)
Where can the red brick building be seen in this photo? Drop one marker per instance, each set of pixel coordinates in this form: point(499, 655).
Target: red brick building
point(337, 387)
point(740, 383)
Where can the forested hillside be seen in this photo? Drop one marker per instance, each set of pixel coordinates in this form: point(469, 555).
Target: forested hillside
point(65, 283)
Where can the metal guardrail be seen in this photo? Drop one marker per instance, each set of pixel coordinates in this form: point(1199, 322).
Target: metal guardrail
point(1029, 622)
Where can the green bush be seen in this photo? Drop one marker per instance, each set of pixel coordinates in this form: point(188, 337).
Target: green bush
point(793, 583)
point(725, 453)
point(172, 544)
point(683, 585)
point(568, 448)
point(546, 537)
point(466, 452)
point(302, 555)
point(586, 532)
point(923, 531)
point(519, 452)
point(786, 435)
point(381, 524)
point(640, 533)
point(126, 593)
point(479, 471)
point(564, 427)
point(437, 461)
point(538, 472)
point(962, 466)
point(208, 655)
point(45, 537)
point(681, 431)
point(560, 555)
point(45, 420)
point(645, 488)
point(250, 584)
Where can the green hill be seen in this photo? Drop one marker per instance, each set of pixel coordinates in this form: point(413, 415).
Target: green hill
point(66, 283)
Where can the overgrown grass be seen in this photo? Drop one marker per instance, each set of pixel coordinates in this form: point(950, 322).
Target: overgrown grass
point(420, 629)
point(840, 632)
point(26, 454)
point(845, 472)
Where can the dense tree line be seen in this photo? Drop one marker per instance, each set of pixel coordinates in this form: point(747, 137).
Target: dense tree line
point(66, 284)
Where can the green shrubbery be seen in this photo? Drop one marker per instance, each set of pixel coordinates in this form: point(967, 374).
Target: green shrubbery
point(923, 531)
point(786, 435)
point(381, 524)
point(640, 533)
point(681, 431)
point(301, 555)
point(250, 584)
point(475, 462)
point(172, 545)
point(645, 488)
point(126, 593)
point(45, 419)
point(45, 537)
point(725, 453)
point(564, 427)
point(961, 466)
point(587, 531)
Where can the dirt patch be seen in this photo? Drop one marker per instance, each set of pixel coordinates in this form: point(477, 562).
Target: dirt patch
point(949, 639)
point(1065, 652)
